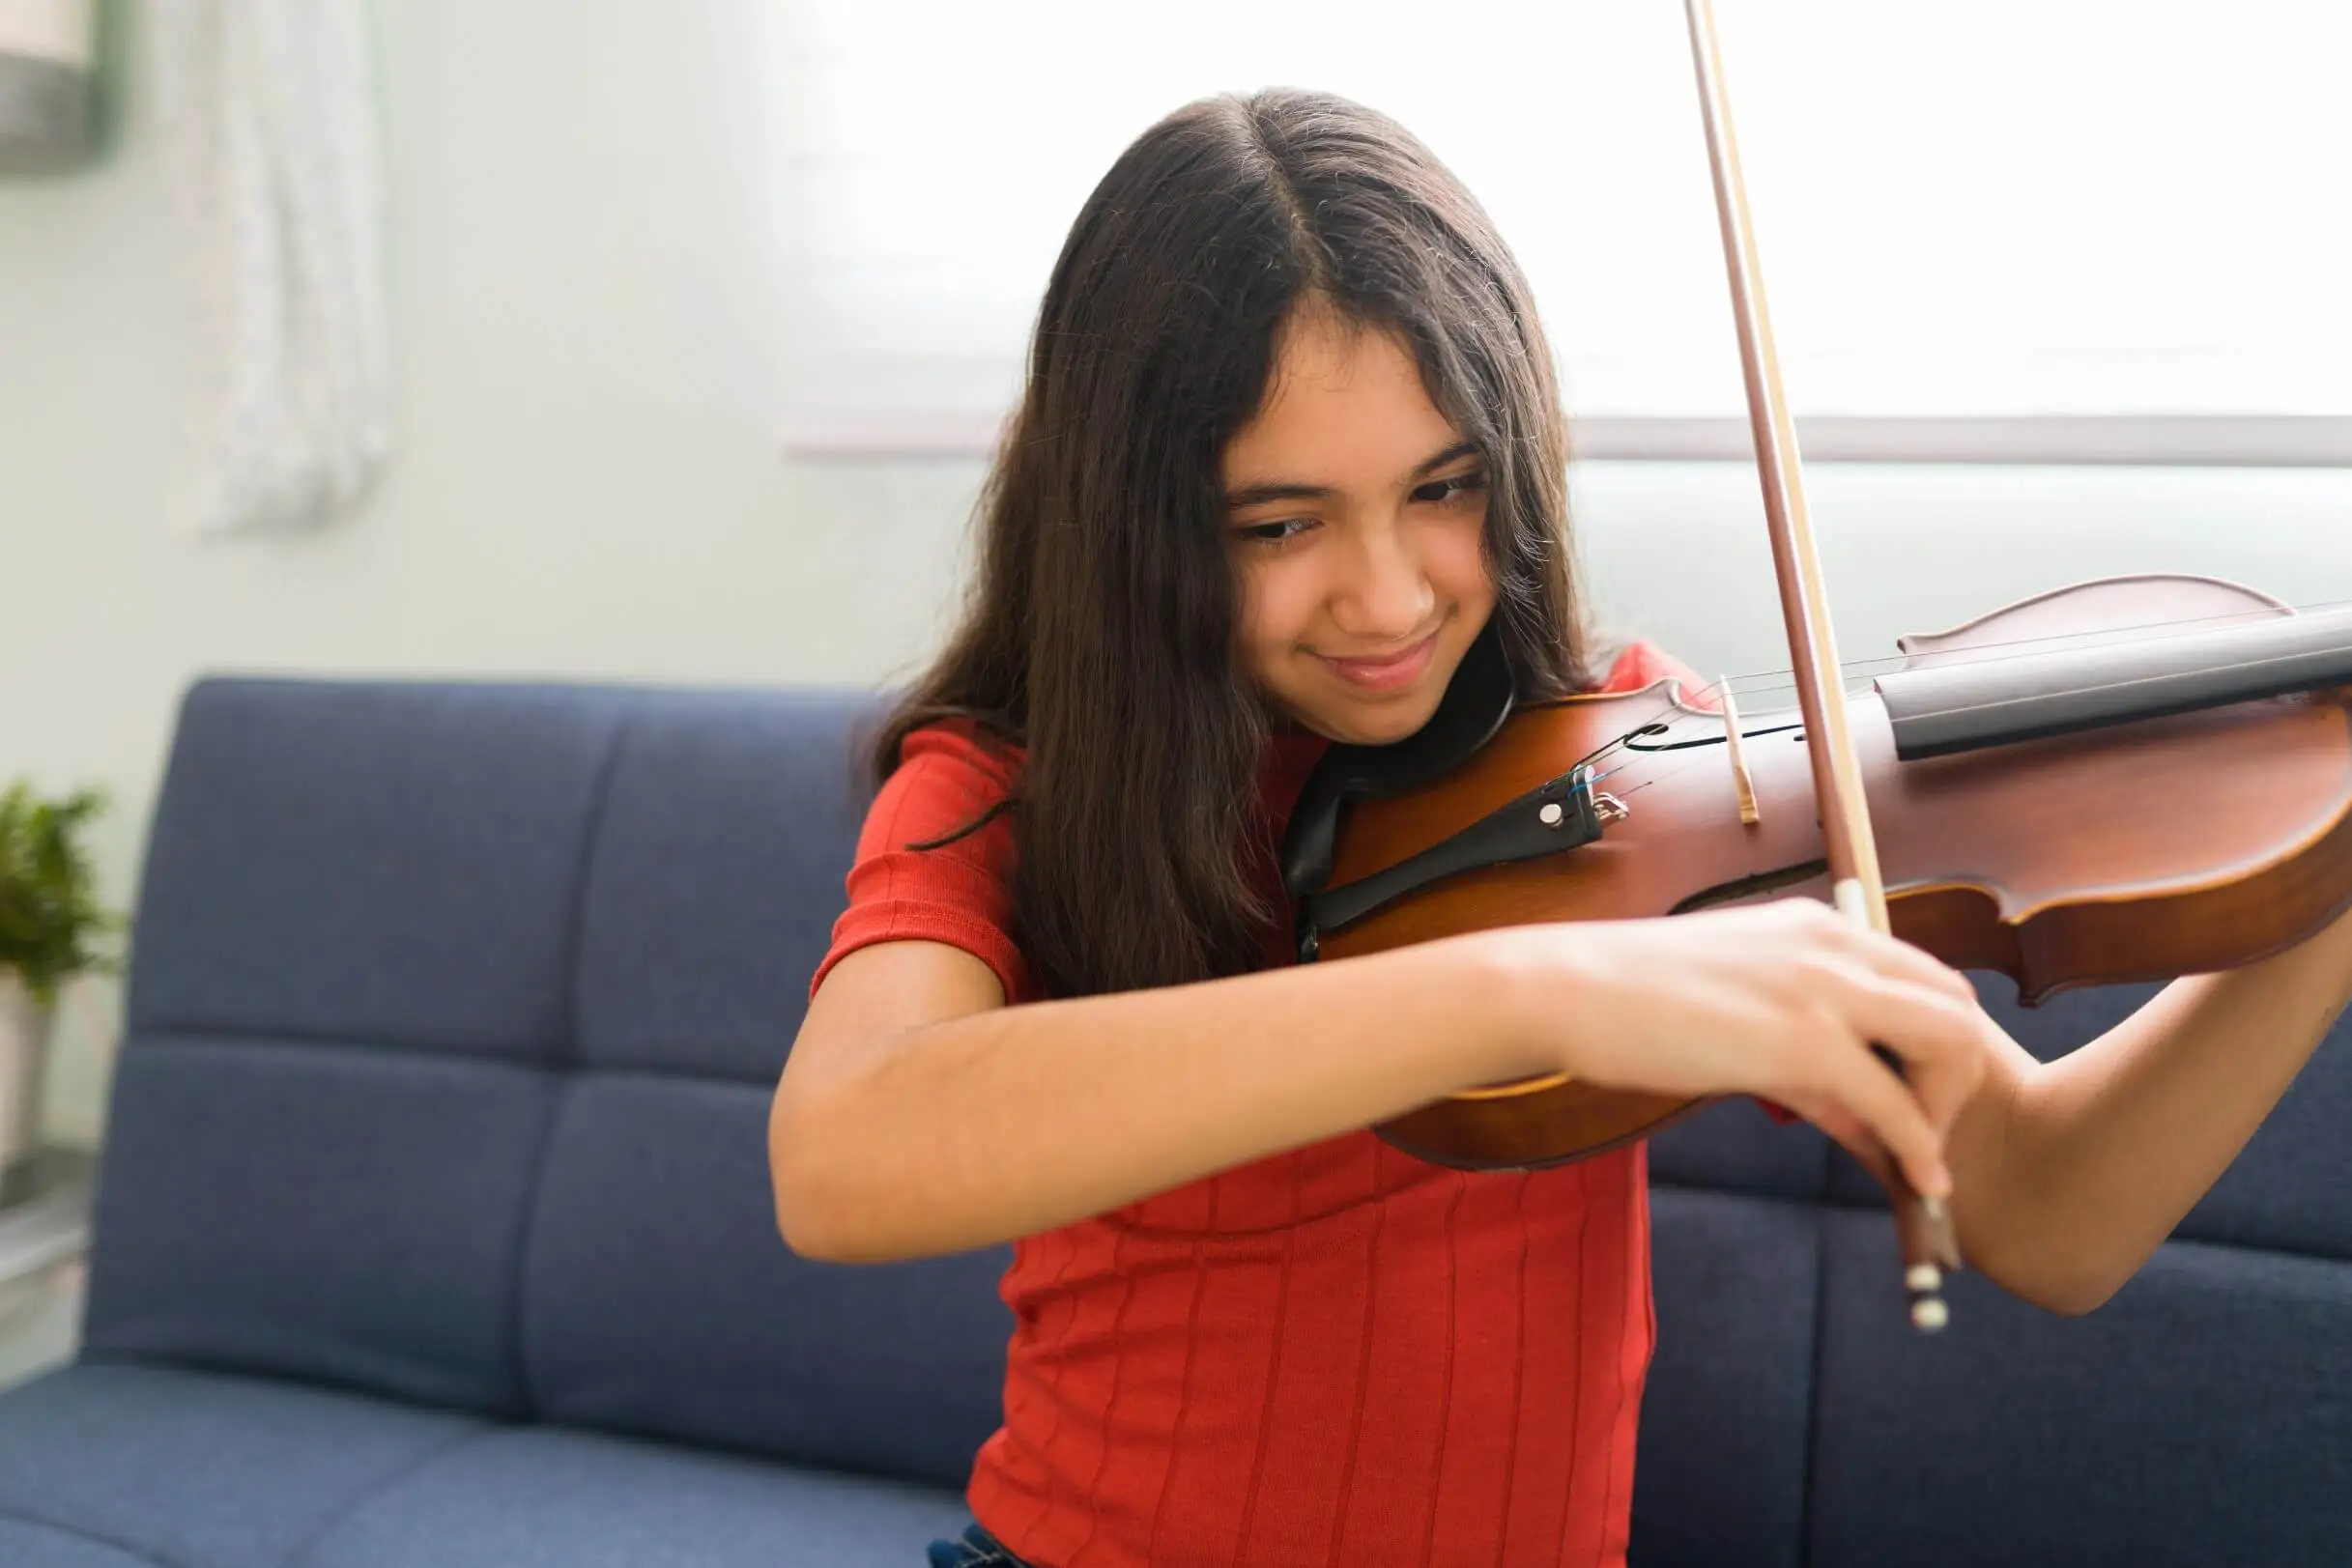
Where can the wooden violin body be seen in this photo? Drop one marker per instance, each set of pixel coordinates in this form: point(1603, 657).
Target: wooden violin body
point(2137, 849)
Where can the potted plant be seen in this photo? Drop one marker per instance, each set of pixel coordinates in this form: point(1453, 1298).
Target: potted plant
point(50, 927)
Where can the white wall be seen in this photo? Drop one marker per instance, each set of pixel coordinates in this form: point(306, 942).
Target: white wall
point(587, 216)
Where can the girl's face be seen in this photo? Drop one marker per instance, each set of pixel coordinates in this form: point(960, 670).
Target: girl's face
point(1355, 513)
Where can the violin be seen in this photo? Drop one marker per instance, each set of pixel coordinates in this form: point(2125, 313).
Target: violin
point(2122, 780)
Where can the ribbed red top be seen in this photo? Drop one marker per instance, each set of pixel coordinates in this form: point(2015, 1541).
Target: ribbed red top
point(1341, 1354)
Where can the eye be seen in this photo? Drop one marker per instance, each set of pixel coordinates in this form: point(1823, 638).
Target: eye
point(1273, 534)
point(1452, 488)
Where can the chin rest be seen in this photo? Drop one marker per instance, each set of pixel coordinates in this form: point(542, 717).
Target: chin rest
point(1476, 701)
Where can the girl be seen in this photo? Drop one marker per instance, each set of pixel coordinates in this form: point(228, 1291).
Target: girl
point(1290, 441)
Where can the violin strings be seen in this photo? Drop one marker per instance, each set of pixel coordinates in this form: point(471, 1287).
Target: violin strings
point(1742, 686)
point(1765, 680)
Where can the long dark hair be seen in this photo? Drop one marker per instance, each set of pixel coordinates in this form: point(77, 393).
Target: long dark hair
point(1100, 630)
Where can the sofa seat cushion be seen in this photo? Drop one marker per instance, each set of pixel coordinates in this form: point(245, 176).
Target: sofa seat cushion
point(549, 1496)
point(122, 1463)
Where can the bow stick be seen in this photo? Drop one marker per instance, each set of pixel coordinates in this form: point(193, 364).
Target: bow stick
point(1924, 1226)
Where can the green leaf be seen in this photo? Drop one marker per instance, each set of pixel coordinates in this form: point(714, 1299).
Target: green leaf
point(51, 924)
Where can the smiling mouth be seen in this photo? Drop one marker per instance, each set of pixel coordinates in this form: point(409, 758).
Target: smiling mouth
point(1387, 672)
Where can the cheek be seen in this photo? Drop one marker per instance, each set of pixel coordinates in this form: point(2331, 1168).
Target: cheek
point(1457, 563)
point(1276, 604)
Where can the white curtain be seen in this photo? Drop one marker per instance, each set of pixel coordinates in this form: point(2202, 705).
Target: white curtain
point(269, 110)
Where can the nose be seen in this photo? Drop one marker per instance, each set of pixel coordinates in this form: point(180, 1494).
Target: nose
point(1384, 594)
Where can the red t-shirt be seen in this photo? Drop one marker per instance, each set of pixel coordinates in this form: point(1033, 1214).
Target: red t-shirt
point(1336, 1354)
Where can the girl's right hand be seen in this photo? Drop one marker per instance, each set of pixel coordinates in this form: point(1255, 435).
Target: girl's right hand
point(1782, 1000)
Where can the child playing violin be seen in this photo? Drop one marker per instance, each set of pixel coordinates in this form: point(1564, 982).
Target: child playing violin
point(1290, 440)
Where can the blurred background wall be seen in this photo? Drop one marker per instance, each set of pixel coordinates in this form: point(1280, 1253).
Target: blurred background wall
point(590, 329)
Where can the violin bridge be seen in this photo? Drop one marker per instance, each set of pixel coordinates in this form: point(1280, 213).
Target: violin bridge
point(1749, 816)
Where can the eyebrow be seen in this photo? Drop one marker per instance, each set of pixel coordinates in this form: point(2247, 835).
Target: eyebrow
point(1255, 495)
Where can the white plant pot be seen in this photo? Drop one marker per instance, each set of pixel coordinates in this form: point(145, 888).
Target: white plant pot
point(24, 1052)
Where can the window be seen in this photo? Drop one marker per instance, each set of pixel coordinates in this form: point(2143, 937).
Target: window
point(1977, 222)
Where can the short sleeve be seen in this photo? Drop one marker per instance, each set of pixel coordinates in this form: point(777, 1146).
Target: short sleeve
point(1642, 664)
point(960, 893)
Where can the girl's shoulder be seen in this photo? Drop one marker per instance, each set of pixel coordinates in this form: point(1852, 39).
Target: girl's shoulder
point(961, 745)
point(950, 772)
point(1642, 663)
point(934, 857)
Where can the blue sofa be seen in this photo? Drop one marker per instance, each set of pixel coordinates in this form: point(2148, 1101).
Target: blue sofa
point(434, 1229)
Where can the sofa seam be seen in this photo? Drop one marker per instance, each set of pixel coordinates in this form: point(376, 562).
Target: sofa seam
point(173, 1039)
point(564, 1058)
point(83, 1532)
point(583, 865)
point(270, 1034)
point(1817, 1362)
point(302, 1551)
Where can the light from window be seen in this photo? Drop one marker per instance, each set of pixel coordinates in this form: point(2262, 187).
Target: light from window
point(2000, 208)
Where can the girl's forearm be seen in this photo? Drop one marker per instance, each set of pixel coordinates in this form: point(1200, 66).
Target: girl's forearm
point(1012, 1121)
point(2110, 1146)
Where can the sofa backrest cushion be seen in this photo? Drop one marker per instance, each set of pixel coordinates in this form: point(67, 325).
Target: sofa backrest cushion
point(656, 1296)
point(454, 1016)
point(455, 1012)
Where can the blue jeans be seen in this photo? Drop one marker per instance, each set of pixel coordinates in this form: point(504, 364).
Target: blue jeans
point(977, 1549)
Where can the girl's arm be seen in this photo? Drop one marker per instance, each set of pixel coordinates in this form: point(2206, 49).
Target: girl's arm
point(2071, 1173)
point(918, 1114)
